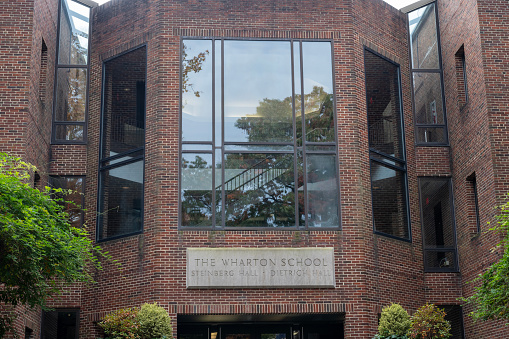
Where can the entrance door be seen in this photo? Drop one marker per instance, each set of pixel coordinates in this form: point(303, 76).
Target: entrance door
point(255, 331)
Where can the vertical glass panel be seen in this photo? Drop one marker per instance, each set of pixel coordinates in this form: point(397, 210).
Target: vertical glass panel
point(121, 200)
point(322, 191)
point(218, 92)
point(437, 214)
point(428, 98)
point(59, 325)
point(69, 132)
point(218, 189)
point(301, 196)
point(259, 190)
point(318, 93)
point(258, 91)
point(431, 135)
point(389, 200)
point(196, 190)
point(72, 198)
point(298, 91)
point(124, 103)
point(71, 96)
point(74, 32)
point(383, 105)
point(423, 37)
point(197, 90)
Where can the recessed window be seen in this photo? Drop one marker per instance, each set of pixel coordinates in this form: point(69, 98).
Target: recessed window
point(121, 171)
point(386, 147)
point(258, 135)
point(60, 324)
point(73, 198)
point(461, 77)
point(473, 203)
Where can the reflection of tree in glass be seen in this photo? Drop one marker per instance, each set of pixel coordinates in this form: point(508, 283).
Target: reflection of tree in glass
point(78, 52)
point(196, 204)
point(75, 95)
point(319, 117)
point(191, 65)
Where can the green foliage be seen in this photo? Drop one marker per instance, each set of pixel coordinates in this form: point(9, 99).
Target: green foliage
point(429, 323)
point(154, 322)
point(122, 324)
point(39, 250)
point(491, 297)
point(394, 322)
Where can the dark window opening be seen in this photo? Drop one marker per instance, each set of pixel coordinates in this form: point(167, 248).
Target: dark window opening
point(60, 324)
point(386, 146)
point(121, 178)
point(473, 203)
point(43, 73)
point(461, 77)
point(73, 198)
point(454, 314)
point(438, 227)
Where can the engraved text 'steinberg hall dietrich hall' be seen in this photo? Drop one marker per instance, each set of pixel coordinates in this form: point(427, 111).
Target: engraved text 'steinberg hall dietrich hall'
point(269, 169)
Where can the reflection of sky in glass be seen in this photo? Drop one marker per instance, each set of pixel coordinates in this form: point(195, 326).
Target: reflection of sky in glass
point(253, 71)
point(78, 8)
point(317, 66)
point(80, 25)
point(415, 17)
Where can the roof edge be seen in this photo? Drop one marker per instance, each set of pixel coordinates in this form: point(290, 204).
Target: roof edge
point(415, 5)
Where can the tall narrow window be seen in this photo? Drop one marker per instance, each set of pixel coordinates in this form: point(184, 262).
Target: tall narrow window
point(43, 73)
point(473, 203)
point(73, 199)
point(438, 227)
point(122, 145)
point(71, 75)
point(461, 77)
point(386, 147)
point(429, 105)
point(258, 135)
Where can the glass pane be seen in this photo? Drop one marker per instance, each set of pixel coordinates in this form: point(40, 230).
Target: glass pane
point(259, 190)
point(318, 92)
point(127, 157)
point(218, 189)
point(298, 91)
point(428, 135)
point(423, 38)
point(218, 95)
point(258, 91)
point(196, 190)
point(273, 336)
point(428, 99)
point(71, 96)
point(69, 132)
point(72, 199)
point(74, 30)
point(386, 160)
point(389, 200)
point(322, 191)
point(59, 324)
point(197, 90)
point(124, 103)
point(437, 260)
point(121, 200)
point(437, 213)
point(383, 105)
point(327, 149)
point(260, 148)
point(196, 147)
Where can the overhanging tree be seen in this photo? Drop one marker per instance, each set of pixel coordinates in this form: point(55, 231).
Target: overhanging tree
point(40, 252)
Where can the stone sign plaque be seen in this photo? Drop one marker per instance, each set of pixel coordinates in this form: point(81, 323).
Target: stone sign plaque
point(260, 267)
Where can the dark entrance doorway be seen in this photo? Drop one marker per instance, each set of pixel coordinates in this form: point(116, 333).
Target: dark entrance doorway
point(323, 326)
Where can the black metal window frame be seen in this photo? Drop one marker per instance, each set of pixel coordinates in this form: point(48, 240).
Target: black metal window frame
point(82, 207)
point(472, 180)
point(402, 162)
point(103, 161)
point(58, 66)
point(439, 71)
point(296, 149)
point(62, 310)
point(454, 249)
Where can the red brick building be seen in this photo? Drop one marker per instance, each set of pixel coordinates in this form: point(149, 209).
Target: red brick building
point(268, 169)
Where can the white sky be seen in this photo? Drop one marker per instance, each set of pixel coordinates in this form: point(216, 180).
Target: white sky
point(395, 3)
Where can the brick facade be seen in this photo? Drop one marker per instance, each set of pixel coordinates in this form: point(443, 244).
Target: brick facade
point(371, 270)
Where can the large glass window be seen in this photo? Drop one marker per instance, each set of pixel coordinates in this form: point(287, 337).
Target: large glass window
point(427, 77)
point(71, 76)
point(258, 134)
point(439, 234)
point(386, 147)
point(122, 145)
point(72, 197)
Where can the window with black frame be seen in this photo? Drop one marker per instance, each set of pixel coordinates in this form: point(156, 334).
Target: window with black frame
point(71, 197)
point(60, 324)
point(258, 136)
point(121, 170)
point(386, 147)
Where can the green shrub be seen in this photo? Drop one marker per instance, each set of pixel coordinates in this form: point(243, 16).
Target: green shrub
point(154, 322)
point(394, 322)
point(122, 324)
point(429, 323)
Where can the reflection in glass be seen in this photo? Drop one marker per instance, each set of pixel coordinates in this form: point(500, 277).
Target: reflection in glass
point(259, 190)
point(389, 200)
point(71, 93)
point(197, 90)
point(72, 198)
point(384, 108)
point(121, 200)
point(430, 135)
point(124, 103)
point(298, 91)
point(74, 33)
point(196, 190)
point(423, 38)
point(218, 94)
point(273, 335)
point(69, 132)
point(428, 98)
point(258, 91)
point(322, 193)
point(318, 93)
point(440, 261)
